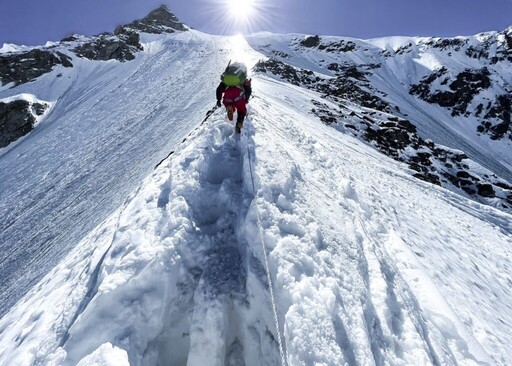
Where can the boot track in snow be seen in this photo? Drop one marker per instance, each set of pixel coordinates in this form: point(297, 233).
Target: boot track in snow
point(214, 320)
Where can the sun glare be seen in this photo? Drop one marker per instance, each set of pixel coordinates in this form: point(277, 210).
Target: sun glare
point(240, 9)
point(241, 16)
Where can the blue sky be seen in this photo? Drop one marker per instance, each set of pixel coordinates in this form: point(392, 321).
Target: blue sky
point(34, 22)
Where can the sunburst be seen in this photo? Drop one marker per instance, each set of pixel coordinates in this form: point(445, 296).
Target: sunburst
point(240, 16)
point(241, 10)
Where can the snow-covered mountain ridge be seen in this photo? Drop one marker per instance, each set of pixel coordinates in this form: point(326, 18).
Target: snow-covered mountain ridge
point(368, 264)
point(468, 77)
point(384, 77)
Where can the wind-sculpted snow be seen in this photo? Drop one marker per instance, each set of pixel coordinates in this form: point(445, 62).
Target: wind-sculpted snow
point(367, 264)
point(178, 280)
point(109, 125)
point(370, 266)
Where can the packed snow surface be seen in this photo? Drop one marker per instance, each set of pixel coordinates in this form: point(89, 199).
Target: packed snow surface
point(368, 265)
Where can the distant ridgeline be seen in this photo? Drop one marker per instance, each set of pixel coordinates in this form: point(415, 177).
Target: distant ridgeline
point(17, 117)
point(354, 76)
point(453, 82)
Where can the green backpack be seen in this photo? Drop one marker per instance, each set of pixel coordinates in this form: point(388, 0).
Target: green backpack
point(235, 74)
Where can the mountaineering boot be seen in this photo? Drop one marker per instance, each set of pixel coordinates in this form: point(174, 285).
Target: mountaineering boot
point(239, 122)
point(230, 112)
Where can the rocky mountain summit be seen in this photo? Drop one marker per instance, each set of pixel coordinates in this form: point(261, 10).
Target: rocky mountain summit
point(17, 117)
point(121, 45)
point(124, 43)
point(158, 21)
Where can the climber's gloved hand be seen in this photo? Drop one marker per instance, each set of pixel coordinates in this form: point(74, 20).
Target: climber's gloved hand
point(218, 103)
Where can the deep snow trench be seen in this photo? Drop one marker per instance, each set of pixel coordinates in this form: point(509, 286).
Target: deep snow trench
point(204, 300)
point(217, 271)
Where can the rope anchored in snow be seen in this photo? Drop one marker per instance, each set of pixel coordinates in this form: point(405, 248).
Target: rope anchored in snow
point(282, 351)
point(208, 114)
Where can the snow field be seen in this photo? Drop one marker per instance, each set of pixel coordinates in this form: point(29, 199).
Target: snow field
point(370, 266)
point(176, 281)
point(335, 247)
point(110, 124)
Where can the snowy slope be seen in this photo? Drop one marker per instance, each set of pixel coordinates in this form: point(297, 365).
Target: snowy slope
point(368, 264)
point(395, 64)
point(111, 123)
point(294, 243)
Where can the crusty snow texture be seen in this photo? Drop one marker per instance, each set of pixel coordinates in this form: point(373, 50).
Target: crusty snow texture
point(370, 266)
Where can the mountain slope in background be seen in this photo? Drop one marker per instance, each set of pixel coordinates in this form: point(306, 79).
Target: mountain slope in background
point(307, 239)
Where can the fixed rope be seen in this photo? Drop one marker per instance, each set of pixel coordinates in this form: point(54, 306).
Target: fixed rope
point(267, 268)
point(208, 114)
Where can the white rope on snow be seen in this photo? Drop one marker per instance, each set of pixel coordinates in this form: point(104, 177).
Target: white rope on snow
point(282, 351)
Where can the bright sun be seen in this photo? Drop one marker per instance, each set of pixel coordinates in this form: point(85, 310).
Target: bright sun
point(240, 9)
point(241, 16)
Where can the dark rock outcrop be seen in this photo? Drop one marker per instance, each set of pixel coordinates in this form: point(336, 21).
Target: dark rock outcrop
point(454, 44)
point(494, 115)
point(121, 46)
point(463, 89)
point(23, 67)
point(501, 111)
point(341, 46)
point(158, 21)
point(310, 42)
point(17, 118)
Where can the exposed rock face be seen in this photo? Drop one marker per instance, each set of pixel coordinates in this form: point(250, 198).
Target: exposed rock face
point(341, 46)
point(396, 136)
point(310, 42)
point(494, 116)
point(158, 21)
point(121, 46)
point(17, 118)
point(350, 82)
point(501, 110)
point(316, 42)
point(23, 67)
point(455, 44)
point(463, 89)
